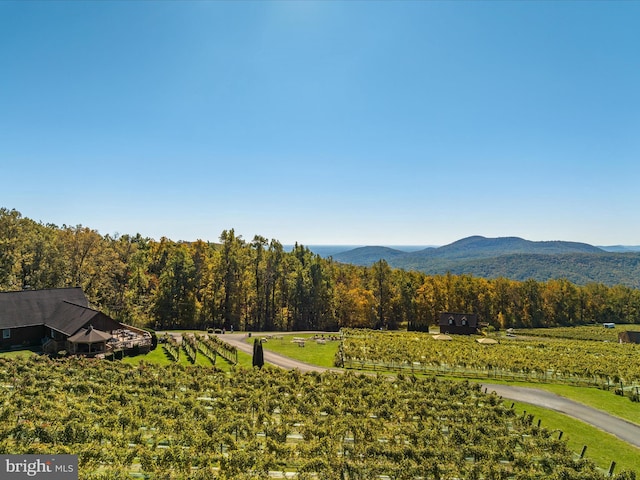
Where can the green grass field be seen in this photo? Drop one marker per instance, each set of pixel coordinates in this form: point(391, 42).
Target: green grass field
point(17, 353)
point(602, 448)
point(160, 357)
point(313, 352)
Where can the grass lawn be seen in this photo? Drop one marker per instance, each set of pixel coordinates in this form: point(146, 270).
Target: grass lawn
point(157, 356)
point(244, 361)
point(312, 352)
point(18, 353)
point(160, 357)
point(602, 448)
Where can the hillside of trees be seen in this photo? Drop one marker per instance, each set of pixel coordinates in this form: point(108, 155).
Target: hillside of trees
point(579, 268)
point(257, 285)
point(511, 257)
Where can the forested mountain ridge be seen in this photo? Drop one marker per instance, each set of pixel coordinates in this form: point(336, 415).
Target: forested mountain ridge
point(621, 248)
point(478, 246)
point(257, 285)
point(369, 255)
point(579, 268)
point(511, 257)
point(474, 247)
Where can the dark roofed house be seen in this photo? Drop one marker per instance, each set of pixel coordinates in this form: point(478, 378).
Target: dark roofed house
point(24, 314)
point(53, 319)
point(458, 323)
point(69, 317)
point(629, 337)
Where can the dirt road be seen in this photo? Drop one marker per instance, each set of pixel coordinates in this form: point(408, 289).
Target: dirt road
point(622, 429)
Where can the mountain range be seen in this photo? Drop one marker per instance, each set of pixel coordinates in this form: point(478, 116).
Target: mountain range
point(511, 257)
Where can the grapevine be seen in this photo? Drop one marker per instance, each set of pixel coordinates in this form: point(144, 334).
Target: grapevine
point(188, 422)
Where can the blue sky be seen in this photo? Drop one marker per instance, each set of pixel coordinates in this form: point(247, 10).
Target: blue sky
point(369, 123)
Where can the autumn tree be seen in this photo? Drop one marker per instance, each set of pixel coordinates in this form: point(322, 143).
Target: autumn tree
point(174, 304)
point(382, 292)
point(232, 268)
point(261, 286)
point(258, 308)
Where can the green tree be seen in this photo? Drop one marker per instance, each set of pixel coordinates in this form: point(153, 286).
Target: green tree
point(232, 268)
point(81, 247)
point(174, 304)
point(273, 274)
point(382, 292)
point(260, 299)
point(10, 243)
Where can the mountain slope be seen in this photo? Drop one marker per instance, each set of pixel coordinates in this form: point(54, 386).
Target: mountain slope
point(368, 255)
point(477, 246)
point(465, 249)
point(511, 257)
point(579, 268)
point(621, 248)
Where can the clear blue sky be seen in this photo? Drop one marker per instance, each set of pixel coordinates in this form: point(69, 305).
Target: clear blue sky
point(362, 122)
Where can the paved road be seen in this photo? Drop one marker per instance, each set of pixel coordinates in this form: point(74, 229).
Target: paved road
point(622, 429)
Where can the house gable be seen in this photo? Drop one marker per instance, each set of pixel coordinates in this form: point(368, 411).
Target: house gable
point(29, 317)
point(458, 323)
point(33, 307)
point(68, 318)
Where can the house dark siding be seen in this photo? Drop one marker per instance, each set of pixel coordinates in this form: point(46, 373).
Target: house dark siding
point(21, 337)
point(30, 317)
point(629, 337)
point(458, 323)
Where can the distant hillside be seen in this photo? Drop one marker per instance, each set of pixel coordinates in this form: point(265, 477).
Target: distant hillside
point(325, 250)
point(621, 248)
point(370, 255)
point(511, 257)
point(469, 248)
point(579, 268)
point(474, 247)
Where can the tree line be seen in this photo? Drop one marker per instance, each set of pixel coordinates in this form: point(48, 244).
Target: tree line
point(259, 285)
